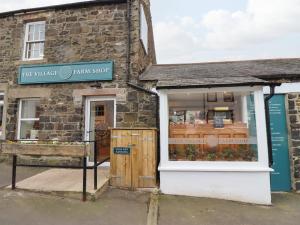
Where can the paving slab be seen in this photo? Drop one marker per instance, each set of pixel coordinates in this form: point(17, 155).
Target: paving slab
point(68, 180)
point(177, 210)
point(114, 207)
point(22, 173)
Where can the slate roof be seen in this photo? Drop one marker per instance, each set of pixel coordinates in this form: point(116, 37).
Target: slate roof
point(234, 73)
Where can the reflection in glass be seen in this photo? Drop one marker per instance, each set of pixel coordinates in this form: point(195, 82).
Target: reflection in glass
point(29, 130)
point(30, 108)
point(29, 119)
point(200, 130)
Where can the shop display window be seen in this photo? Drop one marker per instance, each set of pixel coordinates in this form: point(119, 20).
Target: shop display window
point(212, 127)
point(29, 117)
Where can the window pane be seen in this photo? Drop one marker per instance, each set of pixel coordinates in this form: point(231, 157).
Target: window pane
point(29, 129)
point(29, 50)
point(30, 36)
point(41, 31)
point(31, 28)
point(36, 54)
point(37, 32)
point(219, 130)
point(42, 36)
point(41, 53)
point(30, 109)
point(144, 29)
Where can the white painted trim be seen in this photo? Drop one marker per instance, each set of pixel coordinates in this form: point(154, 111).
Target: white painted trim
point(2, 136)
point(215, 169)
point(261, 130)
point(29, 119)
point(164, 127)
point(19, 119)
point(88, 101)
point(250, 187)
point(25, 40)
point(24, 119)
point(210, 90)
point(284, 88)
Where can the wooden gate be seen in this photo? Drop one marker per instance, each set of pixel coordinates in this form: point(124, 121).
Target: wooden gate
point(133, 158)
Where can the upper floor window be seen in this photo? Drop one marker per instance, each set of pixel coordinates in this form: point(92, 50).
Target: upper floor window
point(34, 40)
point(144, 29)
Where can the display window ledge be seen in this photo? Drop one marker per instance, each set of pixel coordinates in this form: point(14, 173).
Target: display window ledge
point(214, 167)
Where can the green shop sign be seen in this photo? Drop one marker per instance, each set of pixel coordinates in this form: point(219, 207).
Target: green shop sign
point(66, 73)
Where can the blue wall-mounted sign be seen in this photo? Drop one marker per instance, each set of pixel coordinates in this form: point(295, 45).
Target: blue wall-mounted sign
point(66, 73)
point(121, 150)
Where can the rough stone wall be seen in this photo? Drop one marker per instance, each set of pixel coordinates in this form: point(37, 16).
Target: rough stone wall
point(91, 33)
point(144, 57)
point(294, 130)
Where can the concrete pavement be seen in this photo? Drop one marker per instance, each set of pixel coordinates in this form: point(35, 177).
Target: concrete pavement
point(115, 207)
point(195, 211)
point(120, 207)
point(66, 182)
point(22, 173)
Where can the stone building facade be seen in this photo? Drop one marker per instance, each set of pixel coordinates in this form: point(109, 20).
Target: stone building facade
point(293, 112)
point(79, 32)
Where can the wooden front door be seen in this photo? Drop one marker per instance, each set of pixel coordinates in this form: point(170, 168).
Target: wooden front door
point(101, 118)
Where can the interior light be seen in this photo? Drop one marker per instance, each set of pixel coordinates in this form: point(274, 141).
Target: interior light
point(221, 108)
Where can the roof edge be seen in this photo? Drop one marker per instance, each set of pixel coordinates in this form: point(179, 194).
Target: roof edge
point(61, 6)
point(220, 85)
point(229, 61)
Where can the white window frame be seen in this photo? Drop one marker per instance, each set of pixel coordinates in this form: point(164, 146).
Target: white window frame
point(3, 117)
point(36, 41)
point(260, 165)
point(20, 119)
point(87, 116)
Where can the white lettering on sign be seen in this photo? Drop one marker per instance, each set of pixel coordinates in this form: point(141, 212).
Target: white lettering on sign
point(42, 74)
point(101, 70)
point(39, 74)
point(89, 71)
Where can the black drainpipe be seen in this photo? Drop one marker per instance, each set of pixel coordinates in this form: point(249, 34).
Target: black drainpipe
point(269, 133)
point(137, 87)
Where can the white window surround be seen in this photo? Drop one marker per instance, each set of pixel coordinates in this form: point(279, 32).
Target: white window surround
point(260, 166)
point(20, 119)
point(26, 41)
point(3, 115)
point(88, 101)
